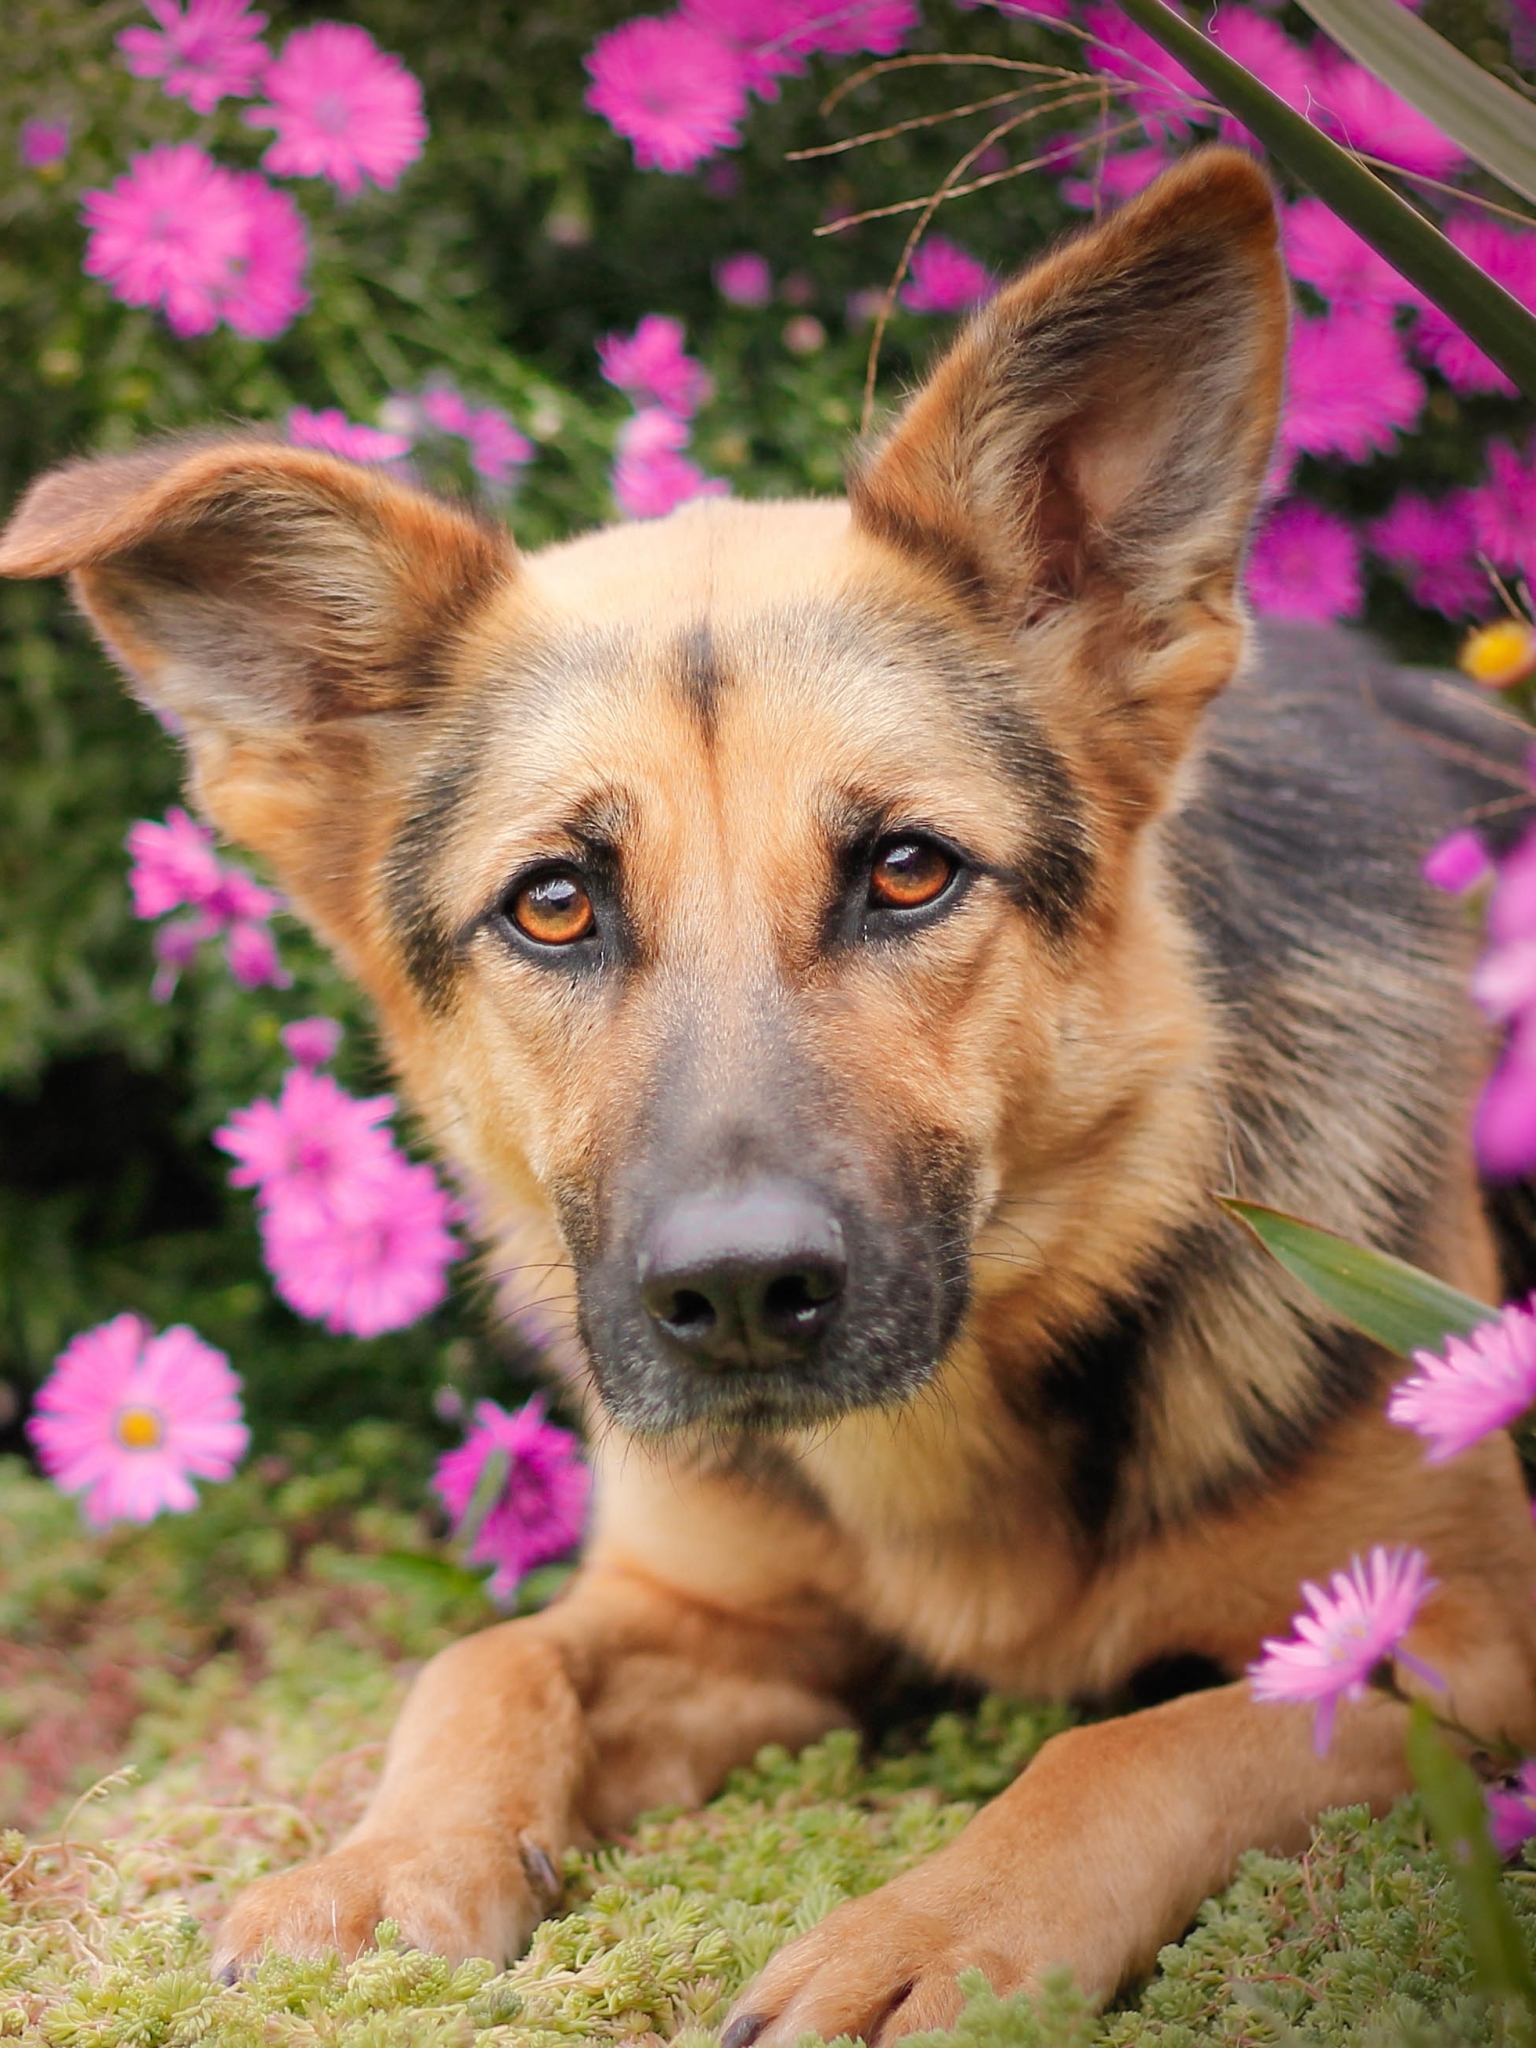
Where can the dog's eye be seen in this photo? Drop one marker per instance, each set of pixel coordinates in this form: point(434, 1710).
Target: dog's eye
point(552, 908)
point(908, 872)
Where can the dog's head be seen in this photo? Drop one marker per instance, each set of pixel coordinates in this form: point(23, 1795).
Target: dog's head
point(758, 896)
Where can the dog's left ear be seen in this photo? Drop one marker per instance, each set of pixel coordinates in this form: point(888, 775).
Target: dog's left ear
point(1089, 454)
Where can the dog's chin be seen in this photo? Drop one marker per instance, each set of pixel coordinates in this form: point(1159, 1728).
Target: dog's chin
point(648, 1394)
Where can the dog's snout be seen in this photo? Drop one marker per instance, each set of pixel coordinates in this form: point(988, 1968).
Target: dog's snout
point(751, 1276)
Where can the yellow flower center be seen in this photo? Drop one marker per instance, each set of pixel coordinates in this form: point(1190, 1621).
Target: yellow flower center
point(1500, 655)
point(139, 1429)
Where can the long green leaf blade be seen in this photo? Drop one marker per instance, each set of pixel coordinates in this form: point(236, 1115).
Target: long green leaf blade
point(1458, 1819)
point(1398, 1305)
point(1486, 118)
point(1499, 324)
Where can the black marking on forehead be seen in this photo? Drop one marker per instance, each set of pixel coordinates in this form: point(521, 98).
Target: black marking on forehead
point(427, 939)
point(698, 674)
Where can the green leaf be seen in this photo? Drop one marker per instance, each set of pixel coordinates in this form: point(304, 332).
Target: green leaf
point(1458, 1818)
point(1489, 120)
point(412, 1571)
point(1398, 1305)
point(1499, 324)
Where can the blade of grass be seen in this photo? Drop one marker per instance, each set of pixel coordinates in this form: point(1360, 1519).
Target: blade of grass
point(1499, 324)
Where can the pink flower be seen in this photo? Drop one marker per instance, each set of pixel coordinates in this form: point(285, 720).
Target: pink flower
point(334, 432)
point(744, 280)
point(1512, 1810)
point(1431, 547)
point(945, 279)
point(312, 1042)
point(496, 447)
point(210, 52)
point(1352, 1628)
point(1370, 117)
point(1338, 263)
point(175, 867)
point(1504, 510)
point(129, 1419)
point(1504, 1127)
point(370, 1254)
point(767, 38)
point(649, 487)
point(312, 1139)
point(265, 290)
point(1305, 564)
point(539, 1507)
point(342, 108)
point(251, 954)
point(1458, 863)
point(652, 366)
point(1509, 258)
point(1349, 387)
point(676, 91)
point(447, 410)
point(842, 28)
point(1263, 48)
point(169, 233)
point(1118, 177)
point(42, 143)
point(1476, 1385)
point(174, 864)
point(1157, 87)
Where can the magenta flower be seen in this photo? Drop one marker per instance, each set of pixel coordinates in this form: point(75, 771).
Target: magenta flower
point(1476, 1385)
point(169, 233)
point(312, 1042)
point(1512, 1810)
point(1263, 48)
point(129, 1419)
point(1349, 386)
point(175, 868)
point(42, 143)
point(945, 279)
point(1365, 115)
point(371, 1254)
point(744, 280)
point(652, 366)
point(1504, 510)
point(1305, 564)
point(1338, 263)
point(266, 285)
point(1457, 863)
point(1504, 1127)
point(448, 410)
point(337, 435)
point(842, 28)
point(650, 476)
point(1509, 257)
point(767, 38)
point(312, 1139)
point(342, 109)
point(1351, 1629)
point(496, 447)
point(174, 864)
point(1158, 88)
point(1432, 548)
point(210, 52)
point(1118, 176)
point(677, 92)
point(541, 1506)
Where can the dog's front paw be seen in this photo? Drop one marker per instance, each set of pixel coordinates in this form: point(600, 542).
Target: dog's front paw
point(461, 1896)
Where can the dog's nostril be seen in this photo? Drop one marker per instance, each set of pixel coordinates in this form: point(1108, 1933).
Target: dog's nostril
point(689, 1313)
point(798, 1302)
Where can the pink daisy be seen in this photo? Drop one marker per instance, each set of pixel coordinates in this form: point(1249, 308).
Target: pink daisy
point(448, 410)
point(174, 864)
point(1431, 546)
point(42, 143)
point(1351, 1629)
point(652, 366)
point(843, 28)
point(1512, 1810)
point(342, 108)
point(1509, 258)
point(767, 38)
point(266, 285)
point(369, 1254)
point(1504, 1127)
point(1370, 117)
point(1504, 510)
point(1338, 263)
point(1157, 86)
point(129, 1419)
point(676, 91)
point(169, 232)
point(337, 435)
point(210, 52)
point(744, 280)
point(539, 1506)
point(1349, 386)
point(1263, 48)
point(250, 953)
point(945, 278)
point(312, 1042)
point(1305, 564)
point(649, 487)
point(1457, 863)
point(1476, 1385)
point(496, 447)
point(312, 1139)
point(1119, 176)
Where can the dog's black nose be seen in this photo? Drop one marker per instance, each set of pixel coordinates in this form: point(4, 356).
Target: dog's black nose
point(749, 1276)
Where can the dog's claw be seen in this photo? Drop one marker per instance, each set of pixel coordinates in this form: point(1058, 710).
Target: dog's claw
point(743, 2031)
point(228, 1974)
point(539, 1869)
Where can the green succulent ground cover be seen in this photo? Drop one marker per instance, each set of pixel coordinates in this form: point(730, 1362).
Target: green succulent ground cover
point(245, 1662)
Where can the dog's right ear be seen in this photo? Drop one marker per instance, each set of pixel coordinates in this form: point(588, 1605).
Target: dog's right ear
point(293, 614)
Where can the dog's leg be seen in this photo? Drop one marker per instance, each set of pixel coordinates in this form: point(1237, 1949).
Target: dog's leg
point(1094, 1858)
point(520, 1740)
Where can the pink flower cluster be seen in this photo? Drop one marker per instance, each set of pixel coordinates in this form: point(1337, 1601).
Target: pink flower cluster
point(945, 278)
point(206, 244)
point(128, 1420)
point(676, 85)
point(1504, 986)
point(356, 1236)
point(498, 450)
point(1476, 1385)
point(175, 868)
point(537, 1484)
point(651, 474)
point(333, 432)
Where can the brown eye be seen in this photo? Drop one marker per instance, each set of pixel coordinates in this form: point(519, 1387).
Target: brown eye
point(907, 873)
point(553, 909)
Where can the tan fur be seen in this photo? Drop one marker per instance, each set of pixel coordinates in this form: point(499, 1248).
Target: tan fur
point(1063, 506)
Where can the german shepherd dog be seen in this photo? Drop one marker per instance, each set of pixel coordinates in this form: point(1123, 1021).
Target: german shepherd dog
point(847, 944)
